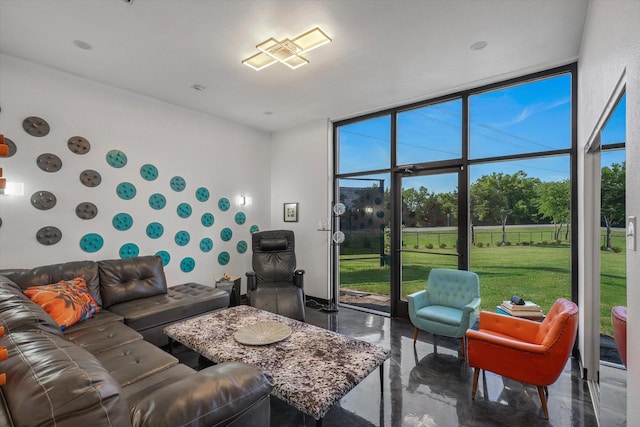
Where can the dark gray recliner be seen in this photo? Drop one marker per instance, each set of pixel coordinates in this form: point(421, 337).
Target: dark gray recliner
point(274, 284)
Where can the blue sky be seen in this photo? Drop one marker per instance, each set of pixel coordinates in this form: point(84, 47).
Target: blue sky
point(520, 119)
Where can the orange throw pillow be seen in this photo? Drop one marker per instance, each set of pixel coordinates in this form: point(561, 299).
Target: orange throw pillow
point(67, 301)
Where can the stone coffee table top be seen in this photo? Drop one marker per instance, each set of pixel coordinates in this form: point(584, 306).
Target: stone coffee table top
point(313, 368)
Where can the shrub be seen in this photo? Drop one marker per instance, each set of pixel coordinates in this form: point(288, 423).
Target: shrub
point(479, 244)
point(443, 245)
point(416, 246)
point(616, 249)
point(525, 243)
point(429, 246)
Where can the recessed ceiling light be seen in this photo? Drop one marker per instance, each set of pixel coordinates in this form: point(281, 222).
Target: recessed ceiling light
point(82, 44)
point(198, 87)
point(268, 113)
point(479, 45)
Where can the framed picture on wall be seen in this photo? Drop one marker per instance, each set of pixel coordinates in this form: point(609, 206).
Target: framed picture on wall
point(290, 212)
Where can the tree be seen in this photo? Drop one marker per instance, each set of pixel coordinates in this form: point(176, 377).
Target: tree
point(612, 187)
point(449, 205)
point(554, 201)
point(419, 207)
point(499, 196)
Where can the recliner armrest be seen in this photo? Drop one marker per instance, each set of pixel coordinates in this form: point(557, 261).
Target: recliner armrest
point(298, 278)
point(251, 281)
point(209, 397)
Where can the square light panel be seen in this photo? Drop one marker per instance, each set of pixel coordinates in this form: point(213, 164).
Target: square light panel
point(287, 51)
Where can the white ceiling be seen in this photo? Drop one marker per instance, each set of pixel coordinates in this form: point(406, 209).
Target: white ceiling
point(384, 52)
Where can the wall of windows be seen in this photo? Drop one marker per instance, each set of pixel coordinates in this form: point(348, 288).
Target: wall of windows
point(480, 180)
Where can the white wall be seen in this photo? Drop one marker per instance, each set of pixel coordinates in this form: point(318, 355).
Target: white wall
point(610, 51)
point(300, 173)
point(227, 159)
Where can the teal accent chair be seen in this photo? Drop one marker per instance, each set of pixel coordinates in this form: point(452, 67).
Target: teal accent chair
point(448, 306)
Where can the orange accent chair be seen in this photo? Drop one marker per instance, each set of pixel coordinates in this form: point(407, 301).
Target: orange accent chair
point(524, 350)
point(619, 323)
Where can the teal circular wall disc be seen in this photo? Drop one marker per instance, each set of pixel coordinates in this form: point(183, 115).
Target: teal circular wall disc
point(164, 256)
point(91, 242)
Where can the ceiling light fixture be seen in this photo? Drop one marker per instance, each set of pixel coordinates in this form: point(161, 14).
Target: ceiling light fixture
point(287, 51)
point(198, 87)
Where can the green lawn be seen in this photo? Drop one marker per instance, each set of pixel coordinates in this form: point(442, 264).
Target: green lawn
point(540, 273)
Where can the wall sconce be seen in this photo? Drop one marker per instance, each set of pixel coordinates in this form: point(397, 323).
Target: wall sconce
point(12, 188)
point(3, 181)
point(244, 200)
point(4, 152)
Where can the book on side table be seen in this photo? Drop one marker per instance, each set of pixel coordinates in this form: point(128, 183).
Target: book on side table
point(528, 310)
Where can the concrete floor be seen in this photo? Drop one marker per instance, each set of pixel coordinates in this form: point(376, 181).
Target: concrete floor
point(427, 385)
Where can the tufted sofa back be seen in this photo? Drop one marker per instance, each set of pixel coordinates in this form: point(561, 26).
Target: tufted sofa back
point(452, 288)
point(47, 274)
point(123, 280)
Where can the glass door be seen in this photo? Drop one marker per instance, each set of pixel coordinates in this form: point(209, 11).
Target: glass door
point(613, 277)
point(364, 252)
point(429, 223)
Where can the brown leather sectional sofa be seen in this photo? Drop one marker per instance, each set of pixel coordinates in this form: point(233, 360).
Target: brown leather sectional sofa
point(108, 370)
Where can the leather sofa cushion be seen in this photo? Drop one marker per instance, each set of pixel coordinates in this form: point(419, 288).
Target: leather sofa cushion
point(102, 337)
point(128, 279)
point(234, 387)
point(141, 389)
point(134, 361)
point(54, 382)
point(180, 302)
point(100, 318)
point(48, 274)
point(19, 313)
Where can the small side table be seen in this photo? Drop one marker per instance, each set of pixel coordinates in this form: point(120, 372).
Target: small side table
point(232, 287)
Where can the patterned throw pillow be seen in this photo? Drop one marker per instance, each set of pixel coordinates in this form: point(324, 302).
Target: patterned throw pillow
point(67, 301)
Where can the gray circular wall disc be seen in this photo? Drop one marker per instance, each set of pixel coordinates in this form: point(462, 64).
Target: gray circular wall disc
point(86, 210)
point(49, 162)
point(49, 235)
point(35, 126)
point(78, 145)
point(12, 146)
point(90, 178)
point(43, 200)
